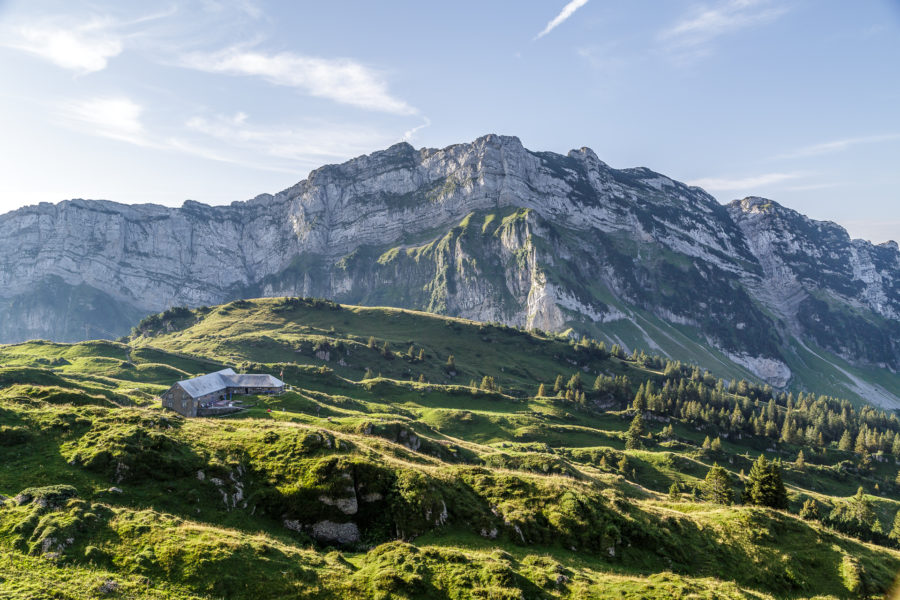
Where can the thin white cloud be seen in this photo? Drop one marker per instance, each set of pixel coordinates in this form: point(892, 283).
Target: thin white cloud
point(838, 145)
point(689, 38)
point(342, 80)
point(410, 133)
point(713, 184)
point(250, 8)
point(84, 49)
point(567, 11)
point(117, 118)
point(311, 144)
point(812, 187)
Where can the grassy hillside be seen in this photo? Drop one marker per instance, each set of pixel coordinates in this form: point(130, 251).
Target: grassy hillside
point(390, 487)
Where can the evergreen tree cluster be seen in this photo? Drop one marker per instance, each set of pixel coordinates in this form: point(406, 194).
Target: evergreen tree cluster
point(742, 407)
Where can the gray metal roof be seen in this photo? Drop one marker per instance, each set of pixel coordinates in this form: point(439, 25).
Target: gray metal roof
point(205, 384)
point(252, 380)
point(226, 378)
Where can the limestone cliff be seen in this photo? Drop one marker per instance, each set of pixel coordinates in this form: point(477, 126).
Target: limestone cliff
point(489, 231)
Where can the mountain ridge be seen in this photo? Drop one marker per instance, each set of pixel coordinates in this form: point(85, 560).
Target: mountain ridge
point(486, 230)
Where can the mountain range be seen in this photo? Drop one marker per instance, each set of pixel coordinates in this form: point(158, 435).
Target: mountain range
point(489, 231)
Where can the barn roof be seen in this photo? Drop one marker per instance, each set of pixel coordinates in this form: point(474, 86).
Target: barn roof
point(252, 380)
point(226, 378)
point(206, 384)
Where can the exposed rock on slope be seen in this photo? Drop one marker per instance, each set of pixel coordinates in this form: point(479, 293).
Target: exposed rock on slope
point(487, 230)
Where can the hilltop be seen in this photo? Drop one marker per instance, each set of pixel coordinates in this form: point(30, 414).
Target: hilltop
point(391, 470)
point(490, 231)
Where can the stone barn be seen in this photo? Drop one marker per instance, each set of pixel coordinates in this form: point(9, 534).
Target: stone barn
point(211, 393)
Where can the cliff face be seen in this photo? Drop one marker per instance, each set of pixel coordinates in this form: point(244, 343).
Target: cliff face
point(489, 231)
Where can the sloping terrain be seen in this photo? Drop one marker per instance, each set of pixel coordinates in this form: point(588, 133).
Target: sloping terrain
point(494, 232)
point(391, 470)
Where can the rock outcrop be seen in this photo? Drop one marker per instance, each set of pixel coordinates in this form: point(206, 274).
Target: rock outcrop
point(489, 231)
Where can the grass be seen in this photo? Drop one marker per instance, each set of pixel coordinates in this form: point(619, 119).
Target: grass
point(449, 492)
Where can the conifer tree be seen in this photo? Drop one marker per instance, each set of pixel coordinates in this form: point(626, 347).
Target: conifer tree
point(575, 382)
point(634, 433)
point(451, 363)
point(640, 400)
point(800, 462)
point(558, 384)
point(675, 492)
point(716, 445)
point(542, 391)
point(846, 442)
point(860, 445)
point(764, 484)
point(369, 374)
point(371, 343)
point(421, 356)
point(717, 486)
point(895, 530)
point(810, 510)
point(623, 464)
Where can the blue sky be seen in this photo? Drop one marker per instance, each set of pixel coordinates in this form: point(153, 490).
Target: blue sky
point(220, 100)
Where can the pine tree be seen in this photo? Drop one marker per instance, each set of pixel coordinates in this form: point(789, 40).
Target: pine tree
point(707, 443)
point(675, 492)
point(764, 484)
point(800, 462)
point(411, 352)
point(421, 378)
point(640, 400)
point(862, 512)
point(386, 350)
point(895, 530)
point(716, 445)
point(451, 363)
point(623, 464)
point(369, 374)
point(846, 442)
point(371, 342)
point(558, 384)
point(542, 391)
point(634, 433)
point(421, 357)
point(810, 510)
point(860, 446)
point(788, 432)
point(717, 486)
point(575, 382)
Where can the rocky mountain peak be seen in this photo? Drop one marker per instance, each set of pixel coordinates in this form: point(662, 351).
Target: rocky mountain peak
point(486, 230)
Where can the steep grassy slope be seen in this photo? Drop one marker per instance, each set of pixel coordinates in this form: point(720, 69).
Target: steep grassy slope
point(383, 487)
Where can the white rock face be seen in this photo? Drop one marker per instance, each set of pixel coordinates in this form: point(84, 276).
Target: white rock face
point(154, 257)
point(773, 371)
point(486, 230)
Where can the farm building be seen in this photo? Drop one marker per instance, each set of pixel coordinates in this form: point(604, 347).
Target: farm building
point(211, 393)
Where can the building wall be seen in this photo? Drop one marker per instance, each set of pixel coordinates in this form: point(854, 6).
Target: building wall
point(180, 401)
point(177, 399)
